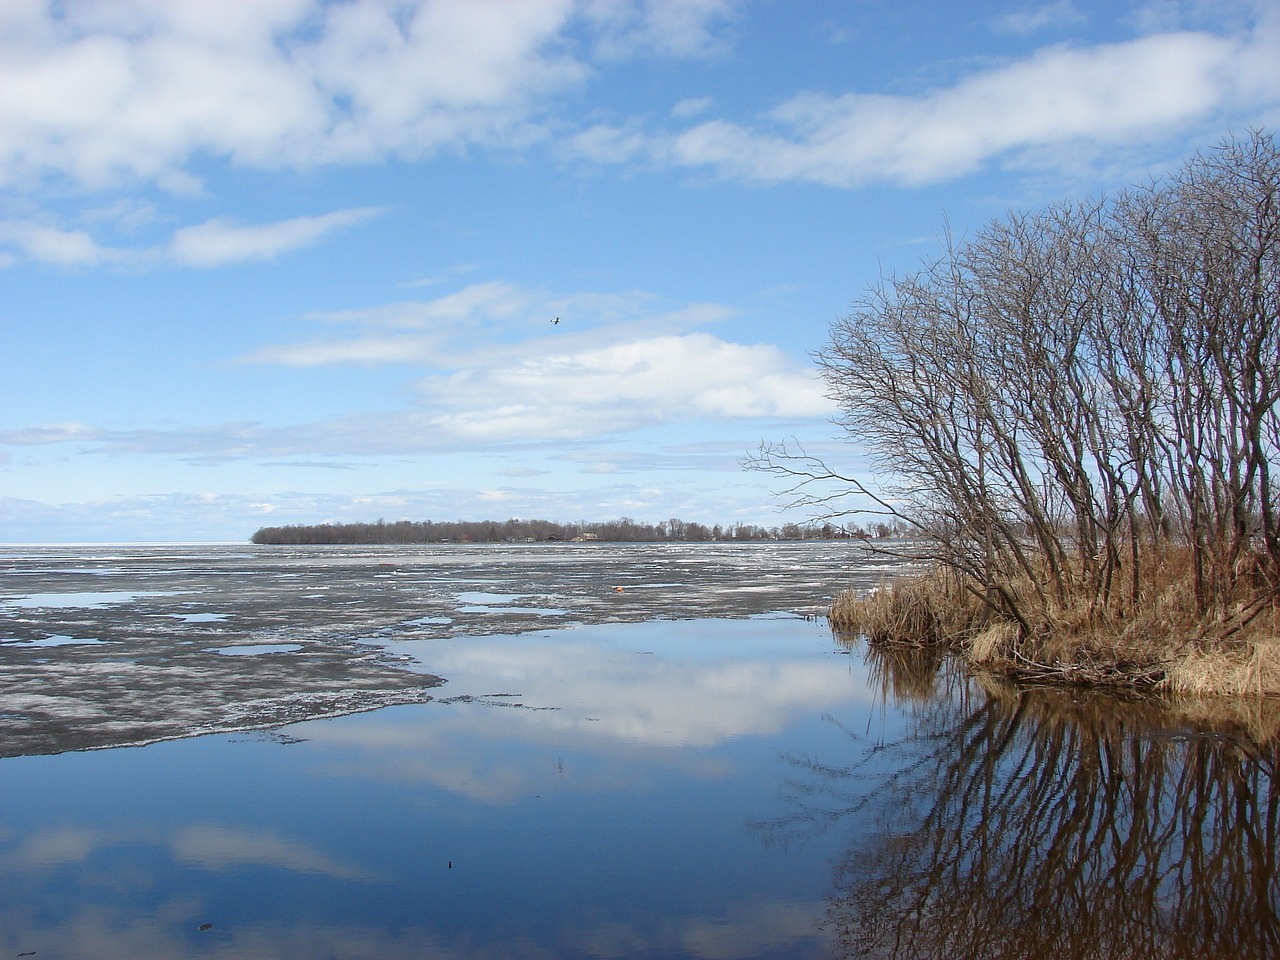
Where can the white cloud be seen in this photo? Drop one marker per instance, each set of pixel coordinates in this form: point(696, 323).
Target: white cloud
point(494, 303)
point(613, 365)
point(595, 393)
point(50, 244)
point(136, 89)
point(211, 244)
point(691, 107)
point(610, 144)
point(1043, 16)
point(548, 385)
point(445, 327)
point(1060, 98)
point(494, 299)
point(683, 28)
point(127, 215)
point(622, 386)
point(453, 73)
point(103, 94)
point(109, 93)
point(361, 350)
point(221, 241)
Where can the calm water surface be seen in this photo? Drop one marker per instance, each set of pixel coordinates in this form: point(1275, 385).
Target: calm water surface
point(705, 787)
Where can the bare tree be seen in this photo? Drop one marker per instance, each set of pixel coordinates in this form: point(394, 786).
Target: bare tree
point(1072, 397)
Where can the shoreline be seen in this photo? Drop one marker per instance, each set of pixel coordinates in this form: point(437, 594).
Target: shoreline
point(1158, 647)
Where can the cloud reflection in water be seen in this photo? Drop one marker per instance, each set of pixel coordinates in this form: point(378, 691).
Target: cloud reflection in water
point(626, 694)
point(593, 789)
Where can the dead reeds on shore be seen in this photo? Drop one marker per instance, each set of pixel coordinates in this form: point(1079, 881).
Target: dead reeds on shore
point(1157, 641)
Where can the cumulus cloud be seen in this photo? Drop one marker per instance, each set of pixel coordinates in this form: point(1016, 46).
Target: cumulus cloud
point(138, 90)
point(530, 393)
point(104, 94)
point(631, 365)
point(531, 382)
point(622, 386)
point(108, 93)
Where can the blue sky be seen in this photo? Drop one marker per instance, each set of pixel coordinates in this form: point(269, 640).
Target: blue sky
point(296, 261)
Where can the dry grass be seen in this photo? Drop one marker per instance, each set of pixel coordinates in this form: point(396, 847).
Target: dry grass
point(994, 643)
point(1251, 667)
point(1256, 718)
point(1157, 642)
point(920, 609)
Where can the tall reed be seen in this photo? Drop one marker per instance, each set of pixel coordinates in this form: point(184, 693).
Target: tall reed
point(1162, 641)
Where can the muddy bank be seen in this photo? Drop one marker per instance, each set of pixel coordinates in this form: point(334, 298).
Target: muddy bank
point(108, 646)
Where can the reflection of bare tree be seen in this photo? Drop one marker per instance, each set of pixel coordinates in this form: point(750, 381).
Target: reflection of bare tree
point(909, 673)
point(1050, 823)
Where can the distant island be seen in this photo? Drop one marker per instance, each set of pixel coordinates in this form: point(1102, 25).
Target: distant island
point(624, 530)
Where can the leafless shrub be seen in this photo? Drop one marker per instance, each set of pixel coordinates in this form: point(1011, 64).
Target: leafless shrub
point(1076, 402)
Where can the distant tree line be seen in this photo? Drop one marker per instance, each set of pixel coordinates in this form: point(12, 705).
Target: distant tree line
point(622, 530)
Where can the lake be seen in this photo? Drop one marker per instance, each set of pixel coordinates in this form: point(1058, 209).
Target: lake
point(596, 750)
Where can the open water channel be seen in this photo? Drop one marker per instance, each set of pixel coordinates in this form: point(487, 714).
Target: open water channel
point(583, 750)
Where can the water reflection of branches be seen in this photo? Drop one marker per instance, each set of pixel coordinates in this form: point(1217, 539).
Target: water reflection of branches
point(1025, 823)
point(819, 795)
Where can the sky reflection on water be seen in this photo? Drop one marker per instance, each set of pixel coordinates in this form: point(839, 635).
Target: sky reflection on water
point(701, 788)
point(590, 792)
